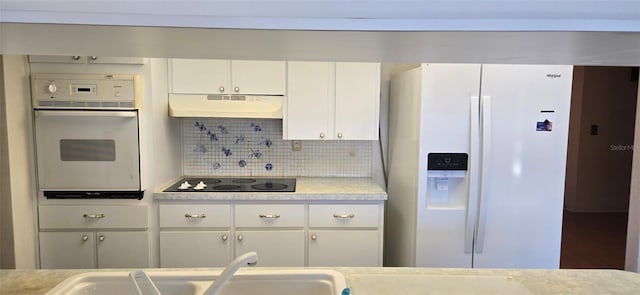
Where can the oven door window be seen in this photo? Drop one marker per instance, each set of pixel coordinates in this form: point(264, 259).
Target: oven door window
point(89, 150)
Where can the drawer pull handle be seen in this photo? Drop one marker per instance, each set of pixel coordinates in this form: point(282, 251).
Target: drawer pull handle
point(195, 216)
point(270, 216)
point(93, 216)
point(350, 215)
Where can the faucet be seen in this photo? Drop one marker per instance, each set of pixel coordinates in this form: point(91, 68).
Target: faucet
point(249, 258)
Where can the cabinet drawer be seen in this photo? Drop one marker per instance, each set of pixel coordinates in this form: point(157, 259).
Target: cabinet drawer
point(269, 215)
point(349, 215)
point(195, 215)
point(58, 217)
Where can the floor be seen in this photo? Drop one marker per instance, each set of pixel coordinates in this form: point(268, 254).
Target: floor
point(593, 240)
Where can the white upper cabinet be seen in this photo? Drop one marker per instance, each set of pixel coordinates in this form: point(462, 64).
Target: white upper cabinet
point(309, 107)
point(258, 77)
point(357, 100)
point(328, 100)
point(207, 76)
point(79, 59)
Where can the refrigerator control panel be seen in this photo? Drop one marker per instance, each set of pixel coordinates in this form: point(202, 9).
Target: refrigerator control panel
point(447, 161)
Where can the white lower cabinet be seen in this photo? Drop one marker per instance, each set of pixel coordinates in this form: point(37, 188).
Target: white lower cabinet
point(344, 248)
point(120, 249)
point(93, 237)
point(67, 250)
point(195, 235)
point(274, 247)
point(345, 234)
point(88, 250)
point(195, 248)
point(284, 234)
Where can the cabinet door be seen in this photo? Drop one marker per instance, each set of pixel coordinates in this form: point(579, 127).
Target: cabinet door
point(357, 101)
point(116, 60)
point(309, 108)
point(199, 76)
point(66, 59)
point(344, 248)
point(123, 249)
point(274, 248)
point(258, 77)
point(195, 248)
point(67, 250)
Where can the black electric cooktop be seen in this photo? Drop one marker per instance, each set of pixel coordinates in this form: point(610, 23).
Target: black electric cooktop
point(207, 184)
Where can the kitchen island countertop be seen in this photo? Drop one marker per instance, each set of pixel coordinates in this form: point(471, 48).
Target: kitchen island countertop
point(307, 189)
point(35, 282)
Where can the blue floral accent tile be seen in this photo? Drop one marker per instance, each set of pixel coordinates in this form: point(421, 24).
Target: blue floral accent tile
point(256, 127)
point(212, 136)
point(216, 165)
point(202, 127)
point(200, 148)
point(223, 129)
point(227, 152)
point(242, 163)
point(256, 154)
point(239, 139)
point(268, 142)
point(268, 167)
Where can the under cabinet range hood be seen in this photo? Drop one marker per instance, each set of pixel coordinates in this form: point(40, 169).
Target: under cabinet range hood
point(225, 106)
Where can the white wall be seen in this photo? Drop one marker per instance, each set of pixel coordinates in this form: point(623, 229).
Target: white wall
point(20, 158)
point(7, 258)
point(632, 259)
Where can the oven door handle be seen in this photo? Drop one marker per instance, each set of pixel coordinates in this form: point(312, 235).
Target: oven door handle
point(122, 114)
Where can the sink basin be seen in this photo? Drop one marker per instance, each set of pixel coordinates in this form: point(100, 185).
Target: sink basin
point(264, 282)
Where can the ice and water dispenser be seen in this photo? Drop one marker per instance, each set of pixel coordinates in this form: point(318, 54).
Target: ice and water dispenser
point(446, 179)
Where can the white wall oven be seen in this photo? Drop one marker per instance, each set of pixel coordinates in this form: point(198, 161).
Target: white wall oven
point(87, 141)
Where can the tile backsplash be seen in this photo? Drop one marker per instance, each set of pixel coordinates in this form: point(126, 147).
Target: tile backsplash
point(254, 147)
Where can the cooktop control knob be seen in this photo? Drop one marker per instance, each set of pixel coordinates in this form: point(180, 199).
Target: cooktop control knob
point(184, 185)
point(52, 88)
point(200, 186)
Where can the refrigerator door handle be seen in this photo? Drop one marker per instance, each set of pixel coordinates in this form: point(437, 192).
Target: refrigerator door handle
point(474, 156)
point(485, 109)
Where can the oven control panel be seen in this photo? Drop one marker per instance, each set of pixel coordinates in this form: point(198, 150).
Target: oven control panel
point(84, 91)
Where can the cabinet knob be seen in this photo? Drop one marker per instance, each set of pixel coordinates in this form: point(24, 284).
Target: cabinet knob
point(221, 88)
point(321, 134)
point(240, 238)
point(94, 57)
point(236, 89)
point(76, 57)
point(101, 238)
point(314, 237)
point(85, 238)
point(339, 134)
point(224, 238)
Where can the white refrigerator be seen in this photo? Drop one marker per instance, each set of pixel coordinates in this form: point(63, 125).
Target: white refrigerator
point(476, 171)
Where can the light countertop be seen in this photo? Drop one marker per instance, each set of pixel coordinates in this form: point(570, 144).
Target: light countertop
point(392, 281)
point(307, 189)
